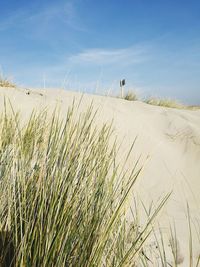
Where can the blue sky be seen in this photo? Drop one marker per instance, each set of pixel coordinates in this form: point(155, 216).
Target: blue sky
point(90, 45)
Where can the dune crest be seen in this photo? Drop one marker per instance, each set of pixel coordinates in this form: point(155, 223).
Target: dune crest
point(168, 144)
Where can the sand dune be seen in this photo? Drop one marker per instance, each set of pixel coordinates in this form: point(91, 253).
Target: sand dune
point(168, 141)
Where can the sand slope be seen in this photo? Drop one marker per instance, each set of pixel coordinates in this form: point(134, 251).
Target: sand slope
point(170, 137)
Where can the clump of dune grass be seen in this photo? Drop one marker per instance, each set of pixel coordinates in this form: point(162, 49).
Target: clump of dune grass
point(63, 198)
point(130, 96)
point(5, 82)
point(169, 103)
point(194, 107)
point(62, 195)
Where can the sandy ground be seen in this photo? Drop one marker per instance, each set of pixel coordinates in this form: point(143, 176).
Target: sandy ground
point(168, 141)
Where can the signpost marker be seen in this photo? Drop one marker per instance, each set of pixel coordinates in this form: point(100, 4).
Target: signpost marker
point(122, 83)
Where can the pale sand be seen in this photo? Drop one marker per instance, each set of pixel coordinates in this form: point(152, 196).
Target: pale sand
point(170, 137)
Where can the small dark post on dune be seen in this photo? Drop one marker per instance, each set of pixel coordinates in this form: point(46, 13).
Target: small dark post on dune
point(122, 83)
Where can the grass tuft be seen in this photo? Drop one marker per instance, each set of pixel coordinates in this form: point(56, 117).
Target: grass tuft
point(5, 82)
point(169, 103)
point(130, 96)
point(62, 196)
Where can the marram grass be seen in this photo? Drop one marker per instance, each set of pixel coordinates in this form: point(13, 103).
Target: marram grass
point(5, 82)
point(130, 96)
point(169, 103)
point(62, 196)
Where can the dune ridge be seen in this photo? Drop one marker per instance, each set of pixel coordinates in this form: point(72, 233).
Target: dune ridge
point(168, 144)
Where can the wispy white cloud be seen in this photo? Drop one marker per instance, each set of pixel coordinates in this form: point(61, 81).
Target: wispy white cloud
point(64, 13)
point(90, 69)
point(43, 17)
point(124, 56)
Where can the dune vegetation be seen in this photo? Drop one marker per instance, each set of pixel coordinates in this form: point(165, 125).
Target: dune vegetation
point(131, 96)
point(62, 195)
point(170, 103)
point(64, 199)
point(5, 82)
point(156, 101)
